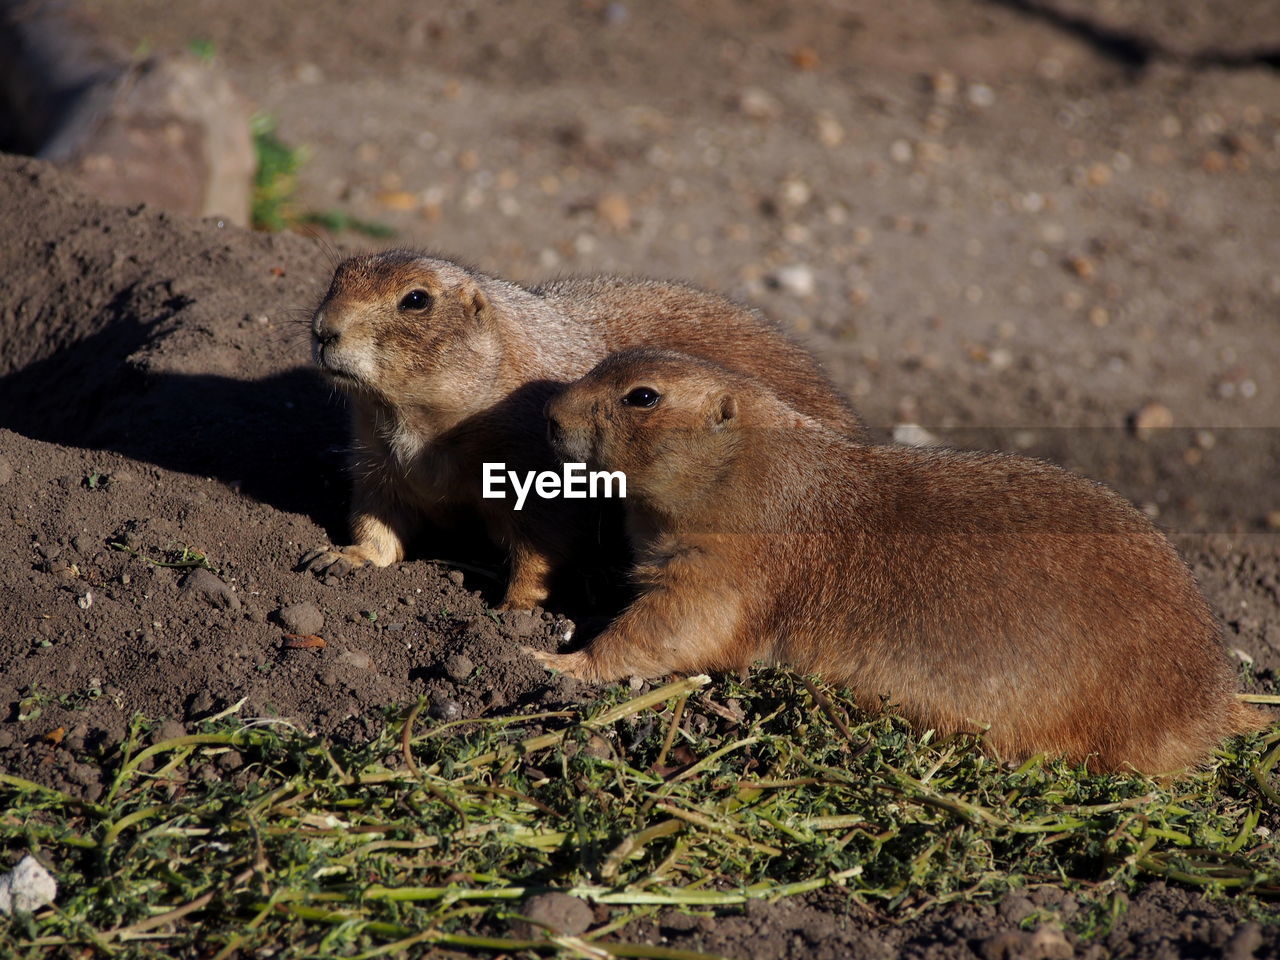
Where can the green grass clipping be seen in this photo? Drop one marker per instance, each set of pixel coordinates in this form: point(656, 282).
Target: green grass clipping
point(251, 835)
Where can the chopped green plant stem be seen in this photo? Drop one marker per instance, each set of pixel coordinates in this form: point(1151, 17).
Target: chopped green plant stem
point(180, 558)
point(435, 833)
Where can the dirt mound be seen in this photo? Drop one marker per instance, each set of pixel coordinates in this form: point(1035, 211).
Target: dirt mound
point(164, 339)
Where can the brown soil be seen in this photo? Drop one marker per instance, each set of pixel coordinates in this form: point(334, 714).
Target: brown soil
point(1023, 226)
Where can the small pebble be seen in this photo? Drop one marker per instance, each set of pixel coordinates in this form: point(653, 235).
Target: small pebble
point(357, 658)
point(204, 584)
point(1082, 266)
point(1150, 417)
point(914, 435)
point(445, 709)
point(458, 667)
point(758, 104)
point(522, 623)
point(796, 279)
point(981, 95)
point(1244, 943)
point(301, 618)
point(614, 209)
point(557, 913)
point(27, 887)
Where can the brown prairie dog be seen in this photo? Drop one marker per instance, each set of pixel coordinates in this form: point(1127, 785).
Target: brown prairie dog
point(975, 591)
point(448, 369)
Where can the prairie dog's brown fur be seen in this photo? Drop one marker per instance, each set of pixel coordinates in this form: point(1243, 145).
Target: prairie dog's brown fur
point(448, 368)
point(975, 591)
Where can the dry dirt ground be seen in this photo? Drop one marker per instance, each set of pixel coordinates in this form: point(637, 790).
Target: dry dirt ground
point(1023, 225)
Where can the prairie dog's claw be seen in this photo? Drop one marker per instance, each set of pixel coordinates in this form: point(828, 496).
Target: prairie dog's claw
point(328, 561)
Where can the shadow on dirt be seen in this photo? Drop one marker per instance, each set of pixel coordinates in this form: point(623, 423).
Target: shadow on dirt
point(1133, 49)
point(278, 439)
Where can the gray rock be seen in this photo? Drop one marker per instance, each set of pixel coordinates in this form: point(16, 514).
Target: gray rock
point(445, 709)
point(1244, 943)
point(914, 435)
point(27, 887)
point(301, 618)
point(1045, 943)
point(458, 667)
point(522, 623)
point(202, 704)
point(796, 279)
point(1016, 906)
point(170, 730)
point(6, 471)
point(203, 584)
point(356, 658)
point(553, 913)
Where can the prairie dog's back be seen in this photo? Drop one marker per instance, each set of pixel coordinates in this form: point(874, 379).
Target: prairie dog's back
point(676, 316)
point(986, 588)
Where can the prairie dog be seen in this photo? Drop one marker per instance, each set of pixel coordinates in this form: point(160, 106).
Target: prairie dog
point(449, 369)
point(976, 591)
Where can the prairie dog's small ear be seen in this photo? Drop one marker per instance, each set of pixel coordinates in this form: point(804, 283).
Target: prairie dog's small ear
point(476, 304)
point(723, 409)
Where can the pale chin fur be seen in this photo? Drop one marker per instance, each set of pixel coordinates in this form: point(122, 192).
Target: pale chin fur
point(575, 450)
point(346, 367)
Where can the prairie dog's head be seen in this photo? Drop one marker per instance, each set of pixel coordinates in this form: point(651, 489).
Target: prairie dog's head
point(411, 329)
point(668, 421)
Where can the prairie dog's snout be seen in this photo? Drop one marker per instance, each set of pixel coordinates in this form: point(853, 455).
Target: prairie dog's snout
point(322, 335)
point(348, 359)
point(568, 431)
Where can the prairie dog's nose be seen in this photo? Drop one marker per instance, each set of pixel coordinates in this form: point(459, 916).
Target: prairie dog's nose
point(555, 431)
point(322, 331)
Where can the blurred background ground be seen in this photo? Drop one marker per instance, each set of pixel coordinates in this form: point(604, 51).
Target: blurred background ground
point(1045, 227)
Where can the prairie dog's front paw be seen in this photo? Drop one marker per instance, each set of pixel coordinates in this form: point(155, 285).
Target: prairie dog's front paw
point(333, 561)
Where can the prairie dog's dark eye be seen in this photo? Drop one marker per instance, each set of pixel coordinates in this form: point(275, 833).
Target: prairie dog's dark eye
point(415, 300)
point(642, 397)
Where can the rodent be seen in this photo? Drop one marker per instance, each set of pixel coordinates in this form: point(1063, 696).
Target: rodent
point(448, 368)
point(976, 591)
